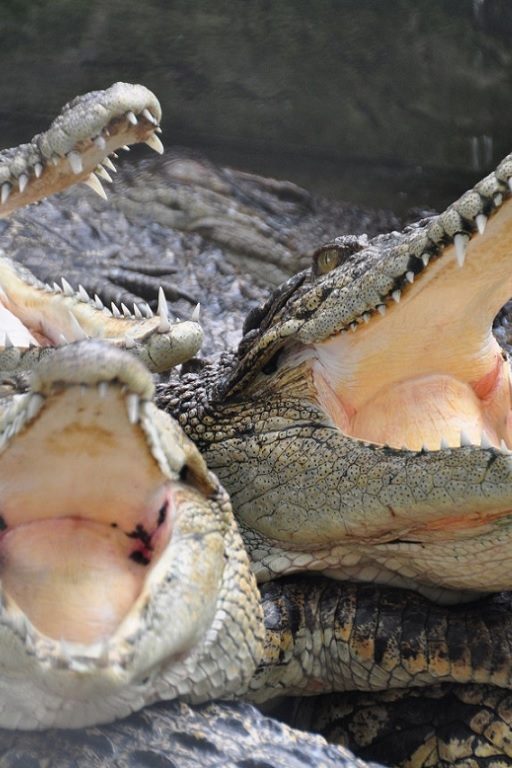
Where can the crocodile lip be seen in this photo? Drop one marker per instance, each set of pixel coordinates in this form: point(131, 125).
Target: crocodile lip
point(32, 314)
point(429, 373)
point(86, 514)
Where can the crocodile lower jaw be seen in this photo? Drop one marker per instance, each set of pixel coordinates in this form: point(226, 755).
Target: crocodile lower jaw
point(430, 412)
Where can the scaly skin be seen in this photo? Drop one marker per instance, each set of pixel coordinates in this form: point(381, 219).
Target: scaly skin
point(380, 344)
point(125, 586)
point(35, 317)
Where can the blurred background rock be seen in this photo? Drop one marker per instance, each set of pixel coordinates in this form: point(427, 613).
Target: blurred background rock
point(393, 104)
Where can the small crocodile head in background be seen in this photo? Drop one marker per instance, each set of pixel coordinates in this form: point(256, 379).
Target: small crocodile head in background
point(36, 317)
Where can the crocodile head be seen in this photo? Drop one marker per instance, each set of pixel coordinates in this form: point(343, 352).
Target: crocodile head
point(35, 317)
point(381, 405)
point(123, 579)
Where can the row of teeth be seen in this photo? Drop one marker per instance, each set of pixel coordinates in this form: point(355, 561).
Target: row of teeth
point(460, 241)
point(21, 412)
point(75, 161)
point(464, 441)
point(141, 312)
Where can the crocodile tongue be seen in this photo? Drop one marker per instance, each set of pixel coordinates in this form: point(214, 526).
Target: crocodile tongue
point(430, 368)
point(72, 578)
point(79, 542)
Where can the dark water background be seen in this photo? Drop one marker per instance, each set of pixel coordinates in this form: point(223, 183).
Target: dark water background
point(392, 104)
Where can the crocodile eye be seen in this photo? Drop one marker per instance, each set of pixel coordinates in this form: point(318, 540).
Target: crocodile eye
point(325, 261)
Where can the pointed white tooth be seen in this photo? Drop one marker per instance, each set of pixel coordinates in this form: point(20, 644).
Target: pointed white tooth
point(425, 257)
point(149, 117)
point(147, 311)
point(94, 183)
point(465, 439)
point(6, 191)
point(38, 169)
point(158, 129)
point(103, 388)
point(353, 327)
point(34, 404)
point(104, 654)
point(409, 276)
point(366, 317)
point(66, 288)
point(396, 295)
point(22, 181)
point(131, 118)
point(510, 183)
point(75, 162)
point(62, 339)
point(83, 294)
point(444, 444)
point(498, 199)
point(382, 309)
point(132, 405)
point(98, 302)
point(107, 162)
point(100, 142)
point(115, 310)
point(129, 342)
point(460, 241)
point(163, 312)
point(103, 174)
point(484, 441)
point(481, 221)
point(155, 143)
point(77, 329)
point(136, 311)
point(125, 147)
point(196, 313)
point(126, 311)
point(65, 651)
point(56, 288)
point(7, 341)
point(504, 447)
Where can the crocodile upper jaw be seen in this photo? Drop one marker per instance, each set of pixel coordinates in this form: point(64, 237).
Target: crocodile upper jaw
point(429, 369)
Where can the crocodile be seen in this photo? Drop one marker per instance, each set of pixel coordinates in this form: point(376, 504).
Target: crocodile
point(330, 249)
point(79, 650)
point(353, 430)
point(37, 316)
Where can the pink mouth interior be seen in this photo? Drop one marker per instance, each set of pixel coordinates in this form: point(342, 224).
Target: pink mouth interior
point(87, 513)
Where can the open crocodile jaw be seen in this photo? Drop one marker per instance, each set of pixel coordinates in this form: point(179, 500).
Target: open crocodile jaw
point(74, 149)
point(429, 373)
point(123, 576)
point(86, 523)
point(373, 404)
